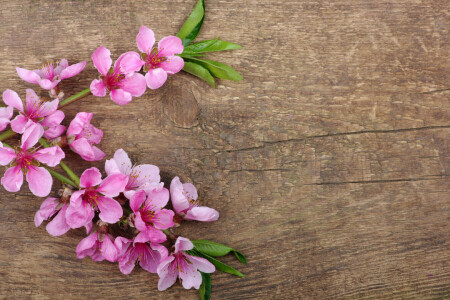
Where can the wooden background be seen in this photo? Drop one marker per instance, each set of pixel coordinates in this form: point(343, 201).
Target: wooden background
point(329, 162)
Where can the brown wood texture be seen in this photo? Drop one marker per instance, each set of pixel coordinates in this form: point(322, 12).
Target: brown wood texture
point(329, 162)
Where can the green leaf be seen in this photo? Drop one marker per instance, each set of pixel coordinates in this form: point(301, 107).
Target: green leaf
point(211, 46)
point(240, 256)
point(217, 69)
point(199, 71)
point(215, 249)
point(193, 24)
point(211, 248)
point(205, 288)
point(217, 263)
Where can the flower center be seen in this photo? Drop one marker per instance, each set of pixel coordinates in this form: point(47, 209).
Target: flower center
point(153, 59)
point(91, 197)
point(48, 69)
point(113, 80)
point(24, 160)
point(87, 133)
point(147, 212)
point(34, 107)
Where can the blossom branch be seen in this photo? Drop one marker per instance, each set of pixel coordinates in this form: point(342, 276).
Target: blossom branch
point(75, 97)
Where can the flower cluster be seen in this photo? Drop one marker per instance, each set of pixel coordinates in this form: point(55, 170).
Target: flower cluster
point(129, 215)
point(127, 219)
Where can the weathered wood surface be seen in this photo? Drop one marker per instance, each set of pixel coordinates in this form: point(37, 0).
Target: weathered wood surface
point(329, 163)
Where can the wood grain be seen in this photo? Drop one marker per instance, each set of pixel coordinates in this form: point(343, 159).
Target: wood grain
point(329, 162)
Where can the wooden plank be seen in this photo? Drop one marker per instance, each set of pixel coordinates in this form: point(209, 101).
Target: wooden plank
point(329, 163)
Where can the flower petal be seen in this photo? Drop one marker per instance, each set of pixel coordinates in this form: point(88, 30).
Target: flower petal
point(123, 162)
point(90, 178)
point(39, 181)
point(31, 136)
point(13, 179)
point(202, 213)
point(120, 96)
point(47, 209)
point(135, 85)
point(47, 108)
point(170, 45)
point(111, 167)
point(138, 222)
point(12, 99)
point(201, 264)
point(183, 244)
point(6, 155)
point(60, 66)
point(53, 119)
point(158, 198)
point(54, 132)
point(86, 244)
point(190, 277)
point(150, 234)
point(86, 150)
point(4, 123)
point(167, 275)
point(47, 84)
point(81, 120)
point(58, 226)
point(28, 76)
point(149, 259)
point(72, 70)
point(145, 39)
point(108, 249)
point(146, 177)
point(6, 112)
point(110, 210)
point(126, 265)
point(113, 185)
point(179, 201)
point(137, 200)
point(50, 156)
point(163, 219)
point(122, 244)
point(156, 78)
point(173, 64)
point(20, 123)
point(131, 62)
point(78, 214)
point(98, 88)
point(190, 191)
point(102, 60)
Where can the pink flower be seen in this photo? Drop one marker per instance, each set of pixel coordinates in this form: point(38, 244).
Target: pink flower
point(25, 160)
point(142, 177)
point(58, 226)
point(184, 200)
point(35, 111)
point(6, 114)
point(96, 194)
point(82, 136)
point(50, 74)
point(121, 85)
point(186, 267)
point(158, 61)
point(98, 246)
point(148, 256)
point(149, 211)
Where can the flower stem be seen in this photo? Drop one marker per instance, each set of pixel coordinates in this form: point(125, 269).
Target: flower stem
point(7, 134)
point(69, 172)
point(75, 97)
